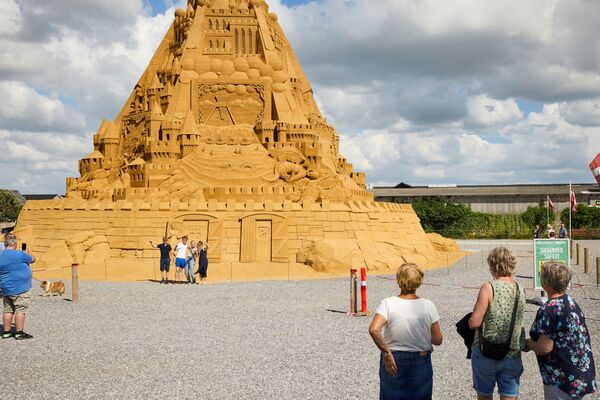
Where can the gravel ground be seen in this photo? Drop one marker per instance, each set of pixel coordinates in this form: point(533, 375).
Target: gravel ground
point(260, 340)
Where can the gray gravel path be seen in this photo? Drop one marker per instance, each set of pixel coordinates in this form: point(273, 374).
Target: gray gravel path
point(261, 340)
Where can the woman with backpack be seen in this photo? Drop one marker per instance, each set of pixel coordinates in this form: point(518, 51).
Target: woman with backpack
point(498, 319)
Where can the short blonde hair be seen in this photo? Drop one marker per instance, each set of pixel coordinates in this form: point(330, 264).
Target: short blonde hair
point(10, 240)
point(502, 262)
point(556, 275)
point(409, 277)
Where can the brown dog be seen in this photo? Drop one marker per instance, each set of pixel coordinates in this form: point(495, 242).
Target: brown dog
point(53, 288)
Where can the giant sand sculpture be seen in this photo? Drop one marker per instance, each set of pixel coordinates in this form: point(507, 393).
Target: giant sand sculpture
point(222, 140)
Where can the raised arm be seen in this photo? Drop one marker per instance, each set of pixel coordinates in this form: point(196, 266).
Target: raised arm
point(483, 301)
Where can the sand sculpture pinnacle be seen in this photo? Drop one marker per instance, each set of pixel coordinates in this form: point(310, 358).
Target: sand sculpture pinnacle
point(224, 84)
point(221, 139)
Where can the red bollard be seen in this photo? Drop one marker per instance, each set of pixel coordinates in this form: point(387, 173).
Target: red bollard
point(363, 289)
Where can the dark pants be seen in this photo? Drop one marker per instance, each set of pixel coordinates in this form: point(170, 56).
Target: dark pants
point(414, 380)
point(165, 264)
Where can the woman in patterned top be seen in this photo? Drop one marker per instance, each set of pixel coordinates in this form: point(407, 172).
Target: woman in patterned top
point(561, 340)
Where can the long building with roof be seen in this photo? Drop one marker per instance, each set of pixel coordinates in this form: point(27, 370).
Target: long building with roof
point(493, 199)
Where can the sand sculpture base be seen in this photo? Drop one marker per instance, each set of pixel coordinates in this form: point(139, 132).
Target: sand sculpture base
point(248, 241)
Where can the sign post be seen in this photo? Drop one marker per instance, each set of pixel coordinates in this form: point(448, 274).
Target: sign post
point(549, 250)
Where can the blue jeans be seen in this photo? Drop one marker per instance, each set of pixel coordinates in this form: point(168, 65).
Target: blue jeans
point(487, 372)
point(189, 270)
point(414, 380)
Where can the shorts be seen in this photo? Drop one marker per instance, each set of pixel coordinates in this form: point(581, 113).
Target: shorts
point(165, 265)
point(487, 372)
point(180, 262)
point(18, 304)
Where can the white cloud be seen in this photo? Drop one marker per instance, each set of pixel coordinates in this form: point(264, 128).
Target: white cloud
point(484, 111)
point(422, 92)
point(23, 152)
point(10, 17)
point(582, 113)
point(20, 103)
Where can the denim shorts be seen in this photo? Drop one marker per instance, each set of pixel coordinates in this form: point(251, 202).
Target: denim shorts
point(180, 262)
point(487, 373)
point(414, 380)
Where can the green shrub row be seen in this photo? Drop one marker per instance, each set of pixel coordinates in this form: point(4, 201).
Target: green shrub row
point(458, 221)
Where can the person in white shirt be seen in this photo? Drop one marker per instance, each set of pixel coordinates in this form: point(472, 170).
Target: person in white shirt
point(180, 258)
point(405, 328)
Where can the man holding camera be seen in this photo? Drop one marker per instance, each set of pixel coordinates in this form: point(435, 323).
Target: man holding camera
point(15, 283)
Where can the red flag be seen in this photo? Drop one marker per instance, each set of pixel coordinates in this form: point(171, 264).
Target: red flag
point(550, 203)
point(573, 201)
point(595, 167)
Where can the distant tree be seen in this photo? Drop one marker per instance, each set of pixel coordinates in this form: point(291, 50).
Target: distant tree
point(9, 206)
point(538, 215)
point(437, 215)
point(585, 217)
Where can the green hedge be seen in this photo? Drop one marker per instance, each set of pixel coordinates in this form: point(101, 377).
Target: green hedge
point(585, 217)
point(458, 221)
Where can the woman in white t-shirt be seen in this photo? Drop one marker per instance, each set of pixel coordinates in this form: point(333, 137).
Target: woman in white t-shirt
point(411, 326)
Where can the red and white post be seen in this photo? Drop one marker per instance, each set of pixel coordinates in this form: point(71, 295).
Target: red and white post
point(363, 290)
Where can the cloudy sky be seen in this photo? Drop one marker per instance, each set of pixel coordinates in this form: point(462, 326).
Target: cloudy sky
point(425, 92)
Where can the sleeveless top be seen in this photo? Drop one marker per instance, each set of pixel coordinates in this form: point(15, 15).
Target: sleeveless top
point(496, 322)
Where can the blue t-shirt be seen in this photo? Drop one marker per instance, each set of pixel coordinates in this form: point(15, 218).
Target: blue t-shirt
point(570, 364)
point(15, 274)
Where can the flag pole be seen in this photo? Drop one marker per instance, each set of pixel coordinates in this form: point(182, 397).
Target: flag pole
point(547, 210)
point(570, 207)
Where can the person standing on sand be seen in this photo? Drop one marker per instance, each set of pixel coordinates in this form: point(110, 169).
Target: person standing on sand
point(191, 262)
point(411, 326)
point(180, 258)
point(537, 234)
point(15, 284)
point(165, 259)
point(562, 233)
point(202, 262)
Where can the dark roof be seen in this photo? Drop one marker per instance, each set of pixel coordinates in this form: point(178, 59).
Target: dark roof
point(484, 190)
point(41, 196)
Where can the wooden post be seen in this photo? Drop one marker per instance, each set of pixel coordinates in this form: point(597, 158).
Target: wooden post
point(353, 290)
point(577, 254)
point(586, 260)
point(571, 249)
point(74, 282)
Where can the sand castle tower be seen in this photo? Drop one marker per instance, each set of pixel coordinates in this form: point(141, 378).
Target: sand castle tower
point(221, 139)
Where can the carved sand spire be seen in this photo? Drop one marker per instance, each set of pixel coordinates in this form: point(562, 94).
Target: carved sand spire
point(221, 139)
point(223, 64)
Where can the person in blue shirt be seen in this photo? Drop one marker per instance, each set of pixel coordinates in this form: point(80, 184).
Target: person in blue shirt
point(563, 232)
point(15, 283)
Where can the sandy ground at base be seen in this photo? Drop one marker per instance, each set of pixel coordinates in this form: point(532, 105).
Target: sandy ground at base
point(250, 340)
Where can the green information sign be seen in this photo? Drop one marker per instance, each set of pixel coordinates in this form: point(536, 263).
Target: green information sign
point(549, 250)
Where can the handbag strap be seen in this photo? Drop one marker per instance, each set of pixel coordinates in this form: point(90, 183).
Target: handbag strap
point(514, 315)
